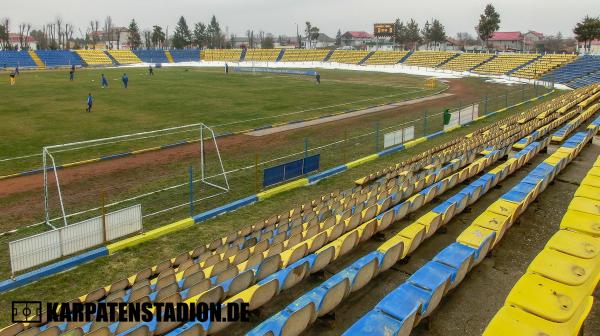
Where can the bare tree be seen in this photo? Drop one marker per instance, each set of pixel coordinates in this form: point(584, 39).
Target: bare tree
point(60, 31)
point(108, 25)
point(250, 35)
point(147, 39)
point(6, 24)
point(24, 29)
point(52, 35)
point(69, 30)
point(94, 28)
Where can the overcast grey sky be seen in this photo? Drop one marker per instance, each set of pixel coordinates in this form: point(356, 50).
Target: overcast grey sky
point(280, 16)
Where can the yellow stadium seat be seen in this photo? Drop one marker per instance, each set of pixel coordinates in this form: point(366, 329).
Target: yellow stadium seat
point(546, 298)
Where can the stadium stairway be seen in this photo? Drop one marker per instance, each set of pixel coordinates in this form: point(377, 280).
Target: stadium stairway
point(36, 59)
point(523, 65)
point(329, 54)
point(448, 60)
point(243, 55)
point(366, 58)
point(114, 60)
point(482, 63)
point(169, 56)
point(280, 56)
point(410, 52)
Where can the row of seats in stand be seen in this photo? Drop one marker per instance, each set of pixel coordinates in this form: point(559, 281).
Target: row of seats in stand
point(571, 126)
point(321, 300)
point(279, 281)
point(304, 55)
point(13, 59)
point(386, 57)
point(262, 55)
point(257, 296)
point(238, 260)
point(412, 301)
point(580, 67)
point(151, 55)
point(543, 65)
point(427, 58)
point(57, 58)
point(94, 57)
point(466, 61)
point(503, 63)
point(588, 79)
point(559, 104)
point(185, 55)
point(214, 294)
point(348, 56)
point(554, 296)
point(222, 55)
point(124, 56)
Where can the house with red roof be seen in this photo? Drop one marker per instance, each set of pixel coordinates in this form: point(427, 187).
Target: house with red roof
point(507, 41)
point(532, 40)
point(356, 39)
point(15, 41)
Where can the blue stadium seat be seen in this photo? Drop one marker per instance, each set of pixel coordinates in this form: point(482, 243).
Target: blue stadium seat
point(185, 55)
point(56, 58)
point(11, 59)
point(152, 55)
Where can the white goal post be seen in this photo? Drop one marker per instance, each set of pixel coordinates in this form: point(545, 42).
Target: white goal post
point(49, 165)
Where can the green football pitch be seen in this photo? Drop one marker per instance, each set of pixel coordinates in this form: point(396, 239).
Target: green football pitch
point(45, 108)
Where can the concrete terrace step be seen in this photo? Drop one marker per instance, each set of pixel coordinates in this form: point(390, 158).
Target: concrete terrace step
point(523, 65)
point(448, 60)
point(403, 59)
point(366, 58)
point(482, 63)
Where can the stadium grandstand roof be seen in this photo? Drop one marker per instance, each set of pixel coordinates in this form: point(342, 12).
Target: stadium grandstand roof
point(507, 36)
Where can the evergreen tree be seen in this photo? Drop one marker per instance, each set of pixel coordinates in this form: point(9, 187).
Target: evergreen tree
point(338, 38)
point(438, 32)
point(214, 31)
point(134, 40)
point(413, 34)
point(182, 37)
point(200, 35)
point(586, 31)
point(426, 32)
point(158, 37)
point(400, 33)
point(489, 23)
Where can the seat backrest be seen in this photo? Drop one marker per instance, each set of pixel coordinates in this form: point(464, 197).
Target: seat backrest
point(333, 297)
point(299, 320)
point(213, 295)
point(269, 266)
point(241, 282)
point(262, 294)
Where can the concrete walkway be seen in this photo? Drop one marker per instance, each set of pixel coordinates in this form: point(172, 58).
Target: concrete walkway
point(284, 128)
